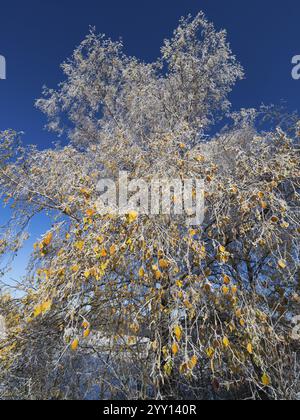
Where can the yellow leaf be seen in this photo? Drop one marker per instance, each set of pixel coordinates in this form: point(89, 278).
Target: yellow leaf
point(234, 290)
point(47, 240)
point(261, 195)
point(264, 205)
point(100, 239)
point(103, 253)
point(75, 268)
point(282, 264)
point(168, 367)
point(132, 340)
point(193, 362)
point(132, 216)
point(87, 274)
point(135, 327)
point(175, 349)
point(75, 344)
point(86, 333)
point(90, 212)
point(238, 313)
point(46, 306)
point(225, 290)
point(85, 324)
point(141, 272)
point(42, 308)
point(226, 342)
point(178, 332)
point(266, 381)
point(112, 250)
point(164, 264)
point(250, 348)
point(226, 280)
point(193, 232)
point(285, 225)
point(183, 368)
point(165, 352)
point(200, 158)
point(210, 352)
point(222, 249)
point(79, 245)
point(37, 311)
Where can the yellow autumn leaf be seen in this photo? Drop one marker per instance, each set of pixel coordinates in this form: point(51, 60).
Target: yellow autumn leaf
point(234, 290)
point(86, 333)
point(141, 272)
point(183, 368)
point(103, 253)
point(37, 311)
point(200, 158)
point(164, 264)
point(100, 239)
point(85, 324)
point(285, 225)
point(42, 308)
point(135, 327)
point(46, 306)
point(238, 313)
point(75, 268)
point(168, 367)
point(178, 332)
point(264, 205)
point(132, 216)
point(225, 290)
point(193, 232)
point(250, 348)
point(90, 212)
point(210, 352)
point(266, 381)
point(226, 342)
point(193, 362)
point(158, 275)
point(282, 264)
point(175, 349)
point(79, 245)
point(48, 238)
point(75, 344)
point(226, 280)
point(112, 249)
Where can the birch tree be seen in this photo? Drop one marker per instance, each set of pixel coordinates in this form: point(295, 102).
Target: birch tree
point(143, 306)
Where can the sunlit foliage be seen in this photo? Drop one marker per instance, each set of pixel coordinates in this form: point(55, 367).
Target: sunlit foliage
point(142, 306)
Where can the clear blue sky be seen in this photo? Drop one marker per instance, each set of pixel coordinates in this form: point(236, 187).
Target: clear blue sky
point(36, 36)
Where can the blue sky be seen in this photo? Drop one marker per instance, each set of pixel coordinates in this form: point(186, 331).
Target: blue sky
point(36, 36)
